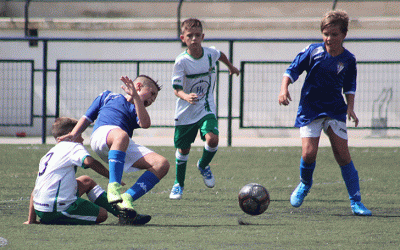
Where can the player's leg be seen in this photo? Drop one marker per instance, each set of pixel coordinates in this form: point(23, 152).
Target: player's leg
point(81, 212)
point(95, 193)
point(181, 159)
point(310, 136)
point(139, 157)
point(337, 133)
point(210, 134)
point(117, 142)
point(184, 136)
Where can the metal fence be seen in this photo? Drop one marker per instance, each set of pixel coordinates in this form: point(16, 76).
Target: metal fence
point(68, 87)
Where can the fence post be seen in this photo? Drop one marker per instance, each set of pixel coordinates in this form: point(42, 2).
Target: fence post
point(229, 132)
point(44, 90)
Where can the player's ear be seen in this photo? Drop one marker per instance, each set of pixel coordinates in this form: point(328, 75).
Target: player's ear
point(138, 86)
point(181, 37)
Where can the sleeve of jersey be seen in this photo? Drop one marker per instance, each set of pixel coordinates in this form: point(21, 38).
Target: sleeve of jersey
point(178, 75)
point(350, 81)
point(216, 54)
point(93, 111)
point(78, 155)
point(299, 64)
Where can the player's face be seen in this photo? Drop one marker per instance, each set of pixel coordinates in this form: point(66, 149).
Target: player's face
point(333, 38)
point(193, 37)
point(148, 95)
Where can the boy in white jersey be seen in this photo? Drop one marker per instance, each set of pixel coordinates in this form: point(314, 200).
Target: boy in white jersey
point(331, 70)
point(193, 81)
point(56, 196)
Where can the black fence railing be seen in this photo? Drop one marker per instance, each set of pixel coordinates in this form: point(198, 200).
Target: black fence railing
point(42, 84)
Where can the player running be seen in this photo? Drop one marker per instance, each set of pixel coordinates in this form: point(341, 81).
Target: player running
point(193, 81)
point(330, 69)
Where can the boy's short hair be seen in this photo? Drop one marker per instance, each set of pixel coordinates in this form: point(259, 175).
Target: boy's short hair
point(190, 23)
point(147, 80)
point(62, 126)
point(336, 17)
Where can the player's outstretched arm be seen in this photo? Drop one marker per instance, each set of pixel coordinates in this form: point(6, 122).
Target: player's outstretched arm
point(81, 126)
point(31, 214)
point(225, 60)
point(284, 96)
point(98, 167)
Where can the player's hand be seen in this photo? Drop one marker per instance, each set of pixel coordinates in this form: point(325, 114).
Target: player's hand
point(284, 98)
point(234, 70)
point(352, 117)
point(129, 87)
point(67, 137)
point(31, 222)
point(192, 98)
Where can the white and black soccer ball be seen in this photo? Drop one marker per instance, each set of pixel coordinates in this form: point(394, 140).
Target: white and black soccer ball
point(254, 199)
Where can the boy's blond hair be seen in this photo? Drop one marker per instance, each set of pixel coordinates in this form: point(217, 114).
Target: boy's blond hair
point(62, 126)
point(336, 17)
point(190, 23)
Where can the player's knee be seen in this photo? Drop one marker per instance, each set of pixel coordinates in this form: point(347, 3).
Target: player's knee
point(103, 215)
point(162, 167)
point(212, 140)
point(86, 181)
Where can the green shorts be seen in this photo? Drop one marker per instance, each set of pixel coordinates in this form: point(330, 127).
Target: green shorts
point(186, 134)
point(81, 212)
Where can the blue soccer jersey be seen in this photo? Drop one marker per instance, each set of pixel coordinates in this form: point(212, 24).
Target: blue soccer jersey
point(113, 109)
point(327, 78)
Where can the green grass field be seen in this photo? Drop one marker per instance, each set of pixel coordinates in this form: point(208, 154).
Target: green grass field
point(208, 218)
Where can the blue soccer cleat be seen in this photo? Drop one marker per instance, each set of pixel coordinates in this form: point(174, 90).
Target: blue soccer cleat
point(298, 195)
point(176, 192)
point(208, 176)
point(359, 209)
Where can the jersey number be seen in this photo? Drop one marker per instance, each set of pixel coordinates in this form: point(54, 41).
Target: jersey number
point(44, 162)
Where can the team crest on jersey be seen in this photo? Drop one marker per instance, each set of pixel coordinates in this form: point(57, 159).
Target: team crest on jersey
point(340, 67)
point(200, 88)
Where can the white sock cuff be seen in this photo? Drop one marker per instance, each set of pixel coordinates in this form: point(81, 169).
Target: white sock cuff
point(181, 157)
point(95, 193)
point(210, 149)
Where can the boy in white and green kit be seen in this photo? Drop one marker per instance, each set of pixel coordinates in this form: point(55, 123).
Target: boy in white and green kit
point(193, 82)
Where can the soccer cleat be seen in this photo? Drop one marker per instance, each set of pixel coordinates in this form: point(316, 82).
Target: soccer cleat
point(114, 192)
point(126, 204)
point(176, 192)
point(139, 219)
point(298, 195)
point(208, 177)
point(359, 209)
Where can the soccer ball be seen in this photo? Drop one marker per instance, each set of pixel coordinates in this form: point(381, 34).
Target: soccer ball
point(253, 199)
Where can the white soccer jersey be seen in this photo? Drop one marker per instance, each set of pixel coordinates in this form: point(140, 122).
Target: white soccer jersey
point(56, 186)
point(195, 75)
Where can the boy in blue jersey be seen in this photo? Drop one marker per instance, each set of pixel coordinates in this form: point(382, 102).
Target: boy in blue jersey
point(193, 81)
point(330, 69)
point(116, 117)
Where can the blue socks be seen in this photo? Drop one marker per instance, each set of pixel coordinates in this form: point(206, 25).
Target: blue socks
point(143, 185)
point(306, 172)
point(116, 161)
point(350, 177)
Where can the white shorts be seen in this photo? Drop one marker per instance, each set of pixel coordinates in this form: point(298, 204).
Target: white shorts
point(315, 127)
point(98, 142)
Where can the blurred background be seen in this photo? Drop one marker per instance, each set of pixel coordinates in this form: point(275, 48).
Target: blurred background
point(57, 56)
